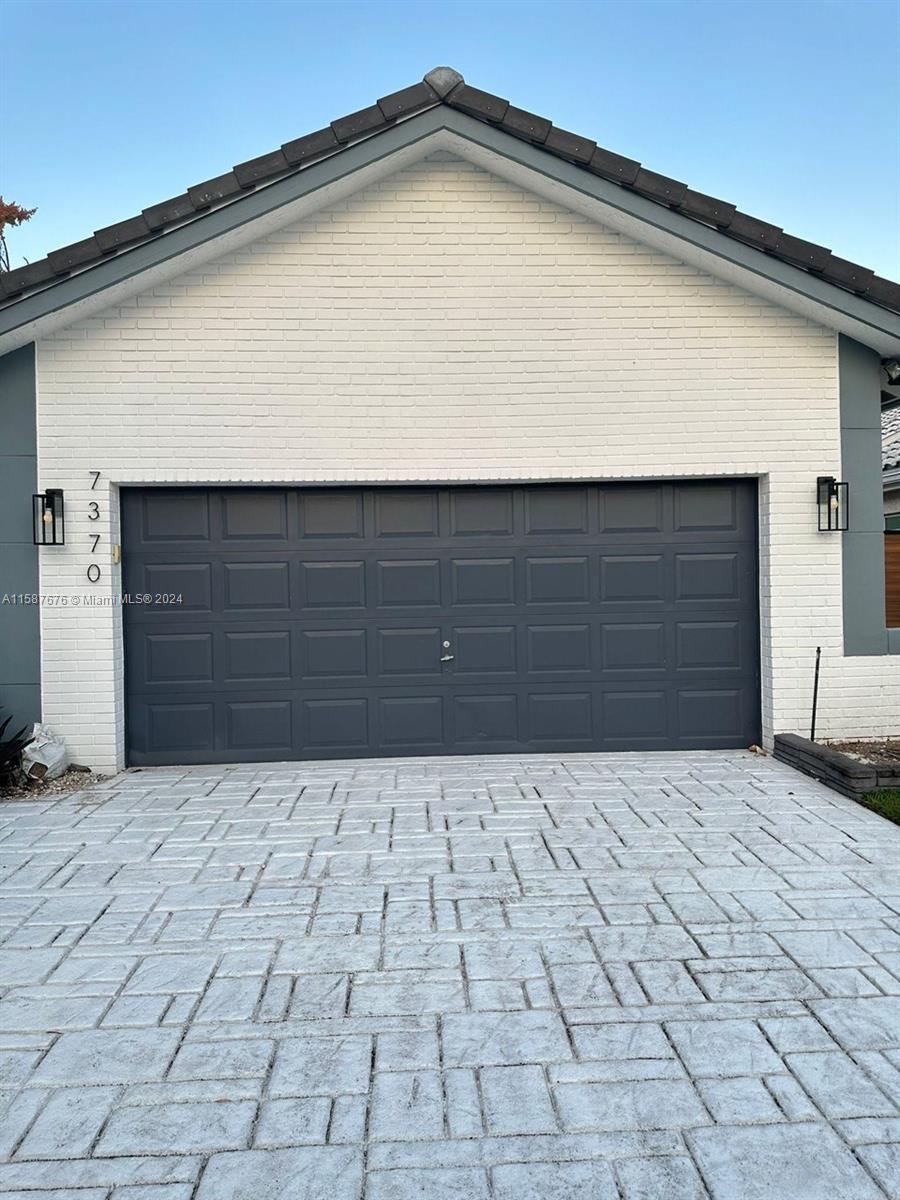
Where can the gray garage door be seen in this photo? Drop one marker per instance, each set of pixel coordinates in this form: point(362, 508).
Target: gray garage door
point(370, 621)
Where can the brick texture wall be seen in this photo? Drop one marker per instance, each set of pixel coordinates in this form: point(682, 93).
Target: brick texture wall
point(444, 325)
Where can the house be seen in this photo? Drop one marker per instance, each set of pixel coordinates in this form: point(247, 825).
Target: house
point(443, 430)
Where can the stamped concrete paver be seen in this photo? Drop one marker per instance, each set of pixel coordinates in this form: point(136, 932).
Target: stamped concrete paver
point(641, 977)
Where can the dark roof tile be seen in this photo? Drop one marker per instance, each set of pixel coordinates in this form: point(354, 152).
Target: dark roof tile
point(525, 124)
point(848, 274)
point(614, 166)
point(167, 212)
point(659, 187)
point(407, 100)
point(444, 85)
point(221, 188)
point(358, 123)
point(122, 233)
point(757, 233)
point(264, 167)
point(30, 276)
point(69, 257)
point(312, 145)
point(707, 208)
point(803, 254)
point(884, 291)
point(570, 145)
point(478, 103)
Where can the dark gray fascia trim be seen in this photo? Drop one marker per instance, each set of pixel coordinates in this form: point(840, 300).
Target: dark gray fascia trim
point(266, 199)
point(20, 633)
point(865, 626)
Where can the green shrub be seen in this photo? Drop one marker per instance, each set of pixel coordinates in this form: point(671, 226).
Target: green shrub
point(11, 748)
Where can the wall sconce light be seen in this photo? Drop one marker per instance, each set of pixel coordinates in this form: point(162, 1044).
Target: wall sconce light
point(833, 499)
point(49, 519)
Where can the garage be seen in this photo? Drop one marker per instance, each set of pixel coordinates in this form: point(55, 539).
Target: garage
point(288, 623)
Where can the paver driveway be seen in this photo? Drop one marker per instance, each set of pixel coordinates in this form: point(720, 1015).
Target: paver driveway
point(649, 977)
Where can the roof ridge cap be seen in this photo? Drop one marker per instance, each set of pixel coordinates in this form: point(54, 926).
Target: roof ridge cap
point(443, 80)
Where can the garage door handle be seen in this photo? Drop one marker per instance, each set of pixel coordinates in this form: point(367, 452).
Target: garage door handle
point(446, 656)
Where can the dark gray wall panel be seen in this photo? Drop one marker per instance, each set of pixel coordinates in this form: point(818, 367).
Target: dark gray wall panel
point(321, 623)
point(20, 651)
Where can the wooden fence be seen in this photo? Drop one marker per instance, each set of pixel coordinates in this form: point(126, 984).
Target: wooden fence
point(892, 577)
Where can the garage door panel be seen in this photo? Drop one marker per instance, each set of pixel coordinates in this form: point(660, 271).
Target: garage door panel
point(710, 713)
point(406, 513)
point(334, 725)
point(481, 513)
point(313, 622)
point(557, 510)
point(257, 655)
point(257, 585)
point(178, 658)
point(557, 580)
point(705, 508)
point(259, 725)
point(414, 651)
point(633, 646)
point(333, 653)
point(560, 717)
point(333, 585)
point(193, 582)
point(706, 645)
point(187, 727)
point(254, 516)
point(639, 510)
point(707, 577)
point(559, 649)
point(476, 581)
point(332, 514)
point(632, 579)
point(411, 721)
point(408, 583)
point(168, 516)
point(485, 720)
point(634, 718)
point(484, 650)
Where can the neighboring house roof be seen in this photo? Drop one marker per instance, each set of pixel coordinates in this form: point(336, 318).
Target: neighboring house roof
point(443, 87)
point(890, 438)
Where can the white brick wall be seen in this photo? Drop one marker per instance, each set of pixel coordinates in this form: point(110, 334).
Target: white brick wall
point(444, 325)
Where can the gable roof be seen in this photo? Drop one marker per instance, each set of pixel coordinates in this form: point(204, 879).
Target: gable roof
point(441, 88)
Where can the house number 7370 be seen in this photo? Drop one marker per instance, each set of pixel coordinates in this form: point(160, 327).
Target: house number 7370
point(93, 571)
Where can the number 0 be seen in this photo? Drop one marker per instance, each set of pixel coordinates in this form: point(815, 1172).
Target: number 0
point(93, 572)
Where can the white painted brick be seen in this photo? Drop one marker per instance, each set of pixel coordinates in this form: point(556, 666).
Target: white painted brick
point(445, 325)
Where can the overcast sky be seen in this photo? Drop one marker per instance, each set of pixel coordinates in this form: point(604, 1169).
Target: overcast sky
point(788, 108)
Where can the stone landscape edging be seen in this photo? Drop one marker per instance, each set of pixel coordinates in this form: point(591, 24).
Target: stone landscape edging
point(836, 770)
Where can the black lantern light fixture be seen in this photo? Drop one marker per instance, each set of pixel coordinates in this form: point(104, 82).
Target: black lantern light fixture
point(49, 519)
point(833, 501)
